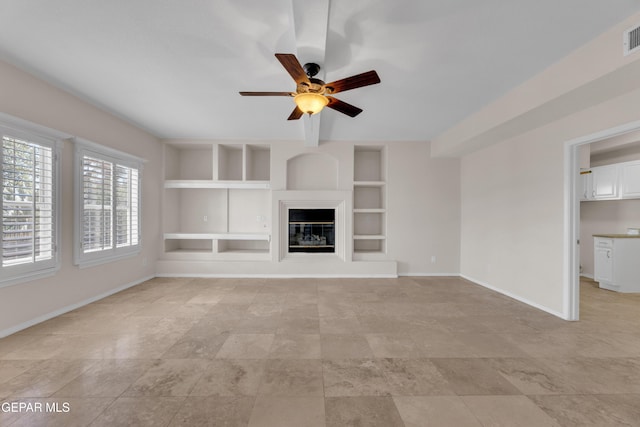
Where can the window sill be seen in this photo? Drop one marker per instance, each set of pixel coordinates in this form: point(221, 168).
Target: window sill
point(93, 262)
point(28, 277)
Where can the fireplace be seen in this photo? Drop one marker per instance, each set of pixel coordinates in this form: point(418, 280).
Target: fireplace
point(312, 230)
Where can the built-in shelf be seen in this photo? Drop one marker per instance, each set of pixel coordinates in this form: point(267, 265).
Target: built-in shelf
point(249, 185)
point(369, 237)
point(369, 204)
point(369, 210)
point(218, 236)
point(217, 196)
point(369, 183)
point(368, 163)
point(230, 162)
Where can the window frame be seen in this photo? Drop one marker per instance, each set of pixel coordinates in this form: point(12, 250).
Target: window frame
point(19, 273)
point(87, 148)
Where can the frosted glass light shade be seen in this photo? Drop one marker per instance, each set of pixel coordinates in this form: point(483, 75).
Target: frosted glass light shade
point(310, 103)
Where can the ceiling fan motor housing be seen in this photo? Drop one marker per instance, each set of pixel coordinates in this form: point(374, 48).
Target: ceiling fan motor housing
point(311, 69)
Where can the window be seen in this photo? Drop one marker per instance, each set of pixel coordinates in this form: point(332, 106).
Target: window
point(29, 206)
point(107, 203)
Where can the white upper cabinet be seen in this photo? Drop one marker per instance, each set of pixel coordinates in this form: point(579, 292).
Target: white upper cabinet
point(630, 180)
point(604, 182)
point(585, 186)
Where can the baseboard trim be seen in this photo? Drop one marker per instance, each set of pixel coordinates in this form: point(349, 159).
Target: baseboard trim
point(429, 274)
point(282, 276)
point(588, 276)
point(515, 297)
point(63, 310)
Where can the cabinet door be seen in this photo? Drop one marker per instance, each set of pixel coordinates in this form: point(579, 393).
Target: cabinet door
point(603, 268)
point(630, 179)
point(585, 186)
point(605, 182)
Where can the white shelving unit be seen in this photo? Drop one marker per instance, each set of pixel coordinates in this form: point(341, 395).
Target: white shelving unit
point(369, 202)
point(217, 202)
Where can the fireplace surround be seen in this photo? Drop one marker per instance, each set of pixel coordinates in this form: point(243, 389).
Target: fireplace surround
point(288, 204)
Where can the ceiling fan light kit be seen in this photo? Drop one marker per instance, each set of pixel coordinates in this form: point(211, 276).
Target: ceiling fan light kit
point(310, 103)
point(311, 93)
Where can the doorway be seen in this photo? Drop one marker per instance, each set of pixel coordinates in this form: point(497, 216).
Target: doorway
point(573, 190)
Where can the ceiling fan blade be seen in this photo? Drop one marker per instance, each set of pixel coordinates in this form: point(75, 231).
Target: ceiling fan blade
point(295, 114)
point(353, 82)
point(265, 93)
point(343, 107)
point(293, 67)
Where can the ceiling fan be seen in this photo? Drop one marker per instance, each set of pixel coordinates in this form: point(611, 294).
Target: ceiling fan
point(312, 94)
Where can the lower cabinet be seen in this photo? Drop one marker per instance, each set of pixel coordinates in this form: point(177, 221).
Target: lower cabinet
point(616, 264)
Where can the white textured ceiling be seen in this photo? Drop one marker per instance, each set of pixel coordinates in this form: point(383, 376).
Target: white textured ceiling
point(175, 67)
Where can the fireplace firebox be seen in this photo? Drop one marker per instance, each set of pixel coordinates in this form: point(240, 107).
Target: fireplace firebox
point(312, 230)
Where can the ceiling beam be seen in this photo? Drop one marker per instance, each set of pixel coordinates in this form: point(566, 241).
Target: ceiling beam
point(310, 23)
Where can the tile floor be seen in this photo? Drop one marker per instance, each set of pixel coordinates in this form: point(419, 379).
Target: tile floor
point(335, 352)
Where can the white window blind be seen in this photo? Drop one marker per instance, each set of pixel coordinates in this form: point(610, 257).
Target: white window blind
point(27, 196)
point(109, 206)
point(29, 222)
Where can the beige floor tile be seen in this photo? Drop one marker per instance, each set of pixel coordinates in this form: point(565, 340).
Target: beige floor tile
point(252, 324)
point(435, 411)
point(192, 346)
point(63, 412)
point(533, 376)
point(489, 345)
point(168, 378)
point(106, 378)
point(340, 325)
point(139, 412)
point(246, 346)
point(230, 377)
point(362, 411)
point(618, 410)
point(562, 345)
point(345, 346)
point(292, 378)
point(295, 346)
point(393, 345)
point(12, 368)
point(371, 345)
point(288, 412)
point(44, 378)
point(512, 411)
point(355, 377)
point(414, 377)
point(214, 411)
point(474, 377)
point(16, 341)
point(598, 375)
point(299, 325)
point(439, 344)
point(134, 345)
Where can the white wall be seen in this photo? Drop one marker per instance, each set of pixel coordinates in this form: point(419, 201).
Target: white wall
point(513, 205)
point(28, 98)
point(422, 201)
point(513, 167)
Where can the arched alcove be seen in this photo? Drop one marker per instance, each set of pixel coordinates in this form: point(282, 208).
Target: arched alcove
point(312, 171)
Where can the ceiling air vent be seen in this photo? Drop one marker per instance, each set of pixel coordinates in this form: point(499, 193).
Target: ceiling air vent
point(631, 40)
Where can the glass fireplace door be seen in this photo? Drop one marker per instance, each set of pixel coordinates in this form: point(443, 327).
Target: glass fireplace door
point(312, 230)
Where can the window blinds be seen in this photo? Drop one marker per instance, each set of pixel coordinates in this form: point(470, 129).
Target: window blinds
point(27, 202)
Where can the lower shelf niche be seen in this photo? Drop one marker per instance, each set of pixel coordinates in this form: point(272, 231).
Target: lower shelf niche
point(368, 246)
point(243, 246)
point(188, 245)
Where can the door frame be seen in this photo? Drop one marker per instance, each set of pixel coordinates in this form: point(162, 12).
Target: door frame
point(571, 309)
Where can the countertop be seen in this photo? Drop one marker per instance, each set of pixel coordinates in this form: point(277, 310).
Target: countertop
point(618, 236)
